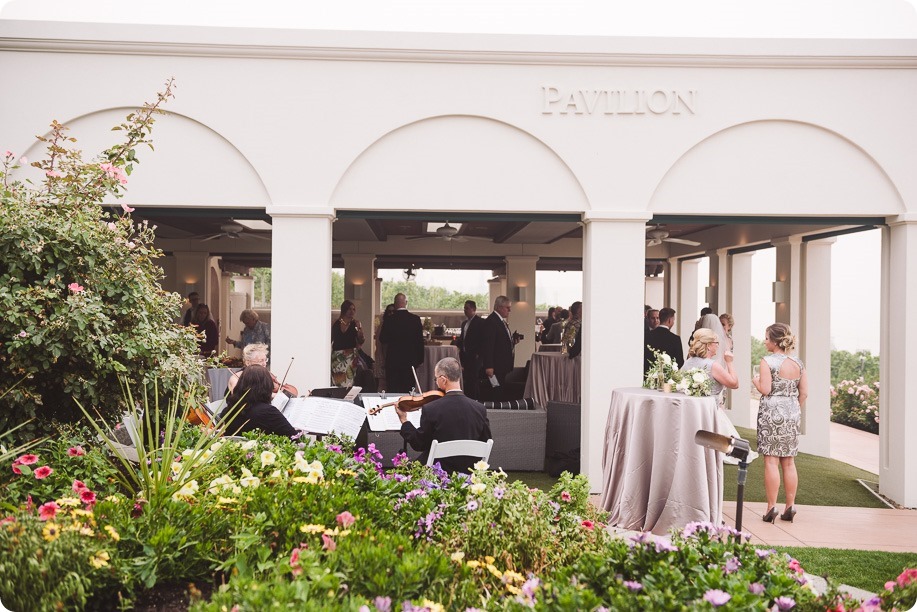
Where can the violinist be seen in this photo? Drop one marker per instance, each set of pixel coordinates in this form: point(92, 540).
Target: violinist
point(453, 417)
point(256, 354)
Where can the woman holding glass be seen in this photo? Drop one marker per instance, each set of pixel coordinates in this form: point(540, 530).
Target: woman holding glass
point(784, 387)
point(346, 338)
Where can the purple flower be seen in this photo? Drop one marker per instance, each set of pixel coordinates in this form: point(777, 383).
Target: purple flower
point(785, 603)
point(642, 538)
point(763, 554)
point(334, 448)
point(633, 585)
point(472, 505)
point(716, 597)
point(756, 588)
point(732, 564)
point(528, 588)
point(415, 493)
point(663, 545)
point(499, 492)
point(399, 459)
point(401, 478)
point(383, 604)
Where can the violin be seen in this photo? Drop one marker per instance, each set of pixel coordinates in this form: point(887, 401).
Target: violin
point(409, 403)
point(287, 389)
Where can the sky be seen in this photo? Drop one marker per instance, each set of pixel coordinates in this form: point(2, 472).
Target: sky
point(855, 263)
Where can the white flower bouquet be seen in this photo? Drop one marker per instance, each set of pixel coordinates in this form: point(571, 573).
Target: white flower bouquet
point(663, 371)
point(694, 382)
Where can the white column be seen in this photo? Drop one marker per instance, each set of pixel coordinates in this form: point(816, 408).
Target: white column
point(815, 346)
point(740, 309)
point(788, 271)
point(359, 288)
point(496, 287)
point(520, 275)
point(654, 294)
point(672, 284)
point(898, 348)
point(610, 319)
point(717, 280)
point(301, 281)
point(686, 310)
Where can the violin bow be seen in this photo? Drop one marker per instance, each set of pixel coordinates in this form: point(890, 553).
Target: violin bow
point(417, 381)
point(285, 374)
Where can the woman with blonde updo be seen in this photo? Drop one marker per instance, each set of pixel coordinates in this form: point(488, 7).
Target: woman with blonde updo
point(703, 352)
point(783, 385)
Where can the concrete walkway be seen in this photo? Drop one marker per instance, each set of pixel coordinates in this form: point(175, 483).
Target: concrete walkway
point(833, 527)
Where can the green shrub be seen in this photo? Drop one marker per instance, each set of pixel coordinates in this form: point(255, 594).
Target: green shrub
point(79, 286)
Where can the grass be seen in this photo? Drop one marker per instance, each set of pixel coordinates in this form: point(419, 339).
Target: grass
point(865, 569)
point(822, 481)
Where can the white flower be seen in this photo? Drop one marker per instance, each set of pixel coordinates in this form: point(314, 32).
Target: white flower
point(666, 358)
point(249, 445)
point(267, 458)
point(249, 480)
point(699, 377)
point(222, 482)
point(188, 452)
point(481, 465)
point(682, 386)
point(187, 490)
point(275, 474)
point(216, 446)
point(478, 488)
point(176, 468)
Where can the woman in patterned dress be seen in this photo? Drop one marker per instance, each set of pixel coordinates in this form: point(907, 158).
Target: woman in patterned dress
point(783, 385)
point(346, 338)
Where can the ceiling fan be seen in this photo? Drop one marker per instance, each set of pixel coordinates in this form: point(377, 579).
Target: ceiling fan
point(447, 233)
point(233, 231)
point(409, 273)
point(658, 235)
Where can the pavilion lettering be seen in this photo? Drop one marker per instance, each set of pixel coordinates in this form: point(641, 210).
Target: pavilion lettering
point(557, 101)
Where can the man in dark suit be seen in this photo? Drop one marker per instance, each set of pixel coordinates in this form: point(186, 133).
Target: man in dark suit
point(453, 417)
point(497, 349)
point(662, 339)
point(469, 343)
point(402, 336)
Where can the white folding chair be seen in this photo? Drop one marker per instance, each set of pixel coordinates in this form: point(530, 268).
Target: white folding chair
point(469, 448)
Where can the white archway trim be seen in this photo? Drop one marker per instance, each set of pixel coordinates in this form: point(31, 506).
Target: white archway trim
point(460, 163)
point(192, 164)
point(779, 166)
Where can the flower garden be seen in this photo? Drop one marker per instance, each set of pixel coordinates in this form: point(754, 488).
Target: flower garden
point(856, 403)
point(246, 524)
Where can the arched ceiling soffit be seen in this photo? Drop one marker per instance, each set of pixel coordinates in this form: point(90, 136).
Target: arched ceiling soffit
point(776, 167)
point(192, 165)
point(459, 163)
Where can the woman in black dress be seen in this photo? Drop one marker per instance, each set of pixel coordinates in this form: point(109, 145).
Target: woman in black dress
point(253, 392)
point(204, 324)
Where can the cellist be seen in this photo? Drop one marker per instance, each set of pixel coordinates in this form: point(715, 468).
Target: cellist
point(452, 417)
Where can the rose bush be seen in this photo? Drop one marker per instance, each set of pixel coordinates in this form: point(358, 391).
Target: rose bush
point(856, 404)
point(79, 285)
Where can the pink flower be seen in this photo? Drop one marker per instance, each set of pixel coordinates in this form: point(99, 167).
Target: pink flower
point(114, 172)
point(43, 472)
point(87, 497)
point(294, 562)
point(588, 525)
point(565, 496)
point(78, 486)
point(9, 153)
point(48, 511)
point(76, 451)
point(112, 226)
point(16, 469)
point(794, 565)
point(53, 174)
point(907, 577)
point(23, 334)
point(328, 543)
point(27, 459)
point(345, 519)
point(23, 160)
point(76, 287)
point(890, 585)
point(126, 208)
point(716, 597)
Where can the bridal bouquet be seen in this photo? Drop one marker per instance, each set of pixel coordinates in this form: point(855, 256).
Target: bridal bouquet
point(663, 370)
point(694, 382)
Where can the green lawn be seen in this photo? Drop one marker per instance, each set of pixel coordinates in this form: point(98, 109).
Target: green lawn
point(822, 482)
point(864, 569)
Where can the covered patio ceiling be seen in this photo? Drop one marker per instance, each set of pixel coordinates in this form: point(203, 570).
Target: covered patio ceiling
point(242, 237)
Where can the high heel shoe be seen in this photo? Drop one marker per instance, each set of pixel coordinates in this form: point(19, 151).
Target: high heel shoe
point(788, 514)
point(771, 515)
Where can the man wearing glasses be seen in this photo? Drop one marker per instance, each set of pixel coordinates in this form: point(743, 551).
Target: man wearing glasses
point(453, 417)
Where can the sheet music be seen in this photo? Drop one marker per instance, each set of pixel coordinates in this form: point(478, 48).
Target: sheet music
point(352, 393)
point(323, 415)
point(387, 419)
point(280, 400)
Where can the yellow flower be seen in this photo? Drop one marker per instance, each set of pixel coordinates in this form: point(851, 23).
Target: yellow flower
point(346, 473)
point(312, 528)
point(432, 606)
point(300, 479)
point(80, 513)
point(489, 559)
point(112, 533)
point(227, 500)
point(100, 559)
point(68, 501)
point(513, 589)
point(473, 564)
point(511, 576)
point(115, 499)
point(458, 556)
point(51, 531)
point(493, 570)
point(87, 531)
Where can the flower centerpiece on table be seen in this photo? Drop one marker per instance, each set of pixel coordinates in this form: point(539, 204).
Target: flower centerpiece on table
point(663, 371)
point(694, 382)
